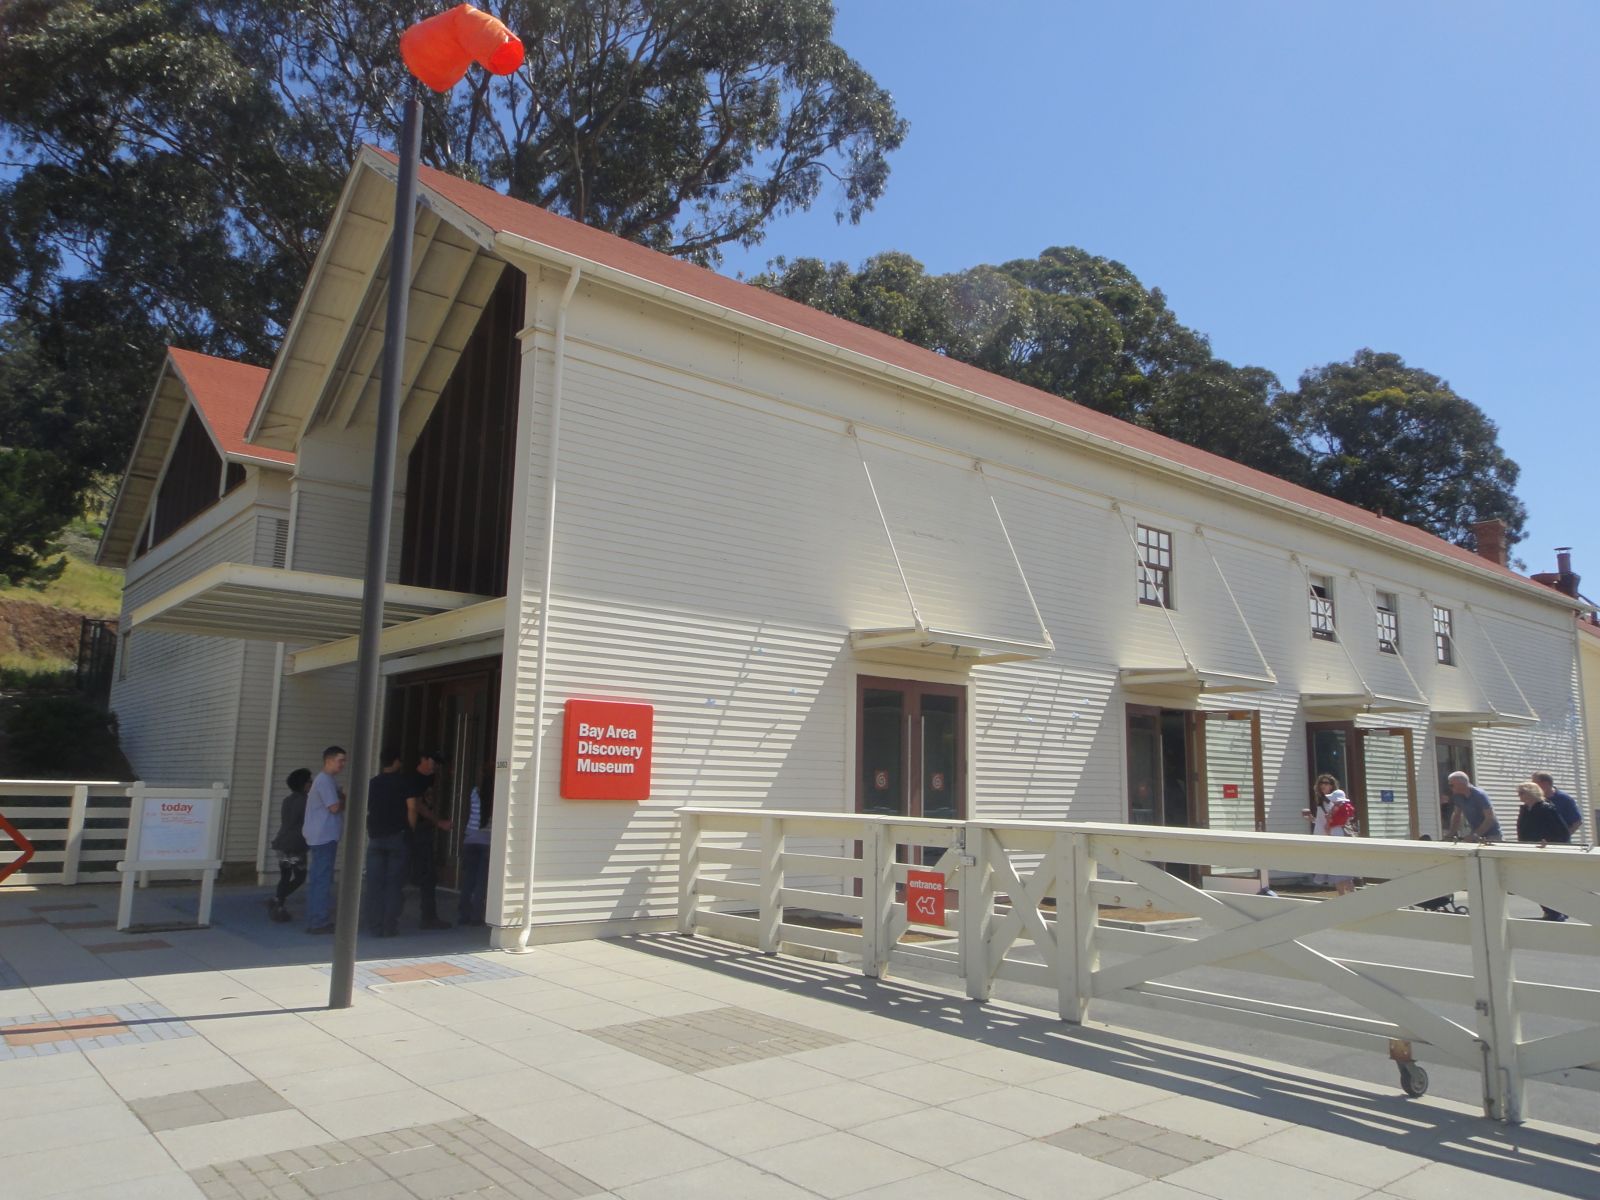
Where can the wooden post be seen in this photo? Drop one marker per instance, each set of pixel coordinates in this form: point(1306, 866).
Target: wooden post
point(1499, 1024)
point(688, 868)
point(877, 892)
point(75, 819)
point(1076, 916)
point(130, 855)
point(977, 901)
point(770, 910)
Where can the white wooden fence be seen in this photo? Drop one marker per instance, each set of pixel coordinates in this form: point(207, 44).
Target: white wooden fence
point(1026, 901)
point(79, 829)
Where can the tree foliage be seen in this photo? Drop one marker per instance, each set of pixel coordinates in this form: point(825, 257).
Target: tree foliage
point(1069, 323)
point(170, 164)
point(1371, 431)
point(1400, 441)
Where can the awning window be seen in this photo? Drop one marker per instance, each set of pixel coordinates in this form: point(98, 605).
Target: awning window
point(966, 594)
point(270, 604)
point(1481, 687)
point(1351, 671)
point(1202, 641)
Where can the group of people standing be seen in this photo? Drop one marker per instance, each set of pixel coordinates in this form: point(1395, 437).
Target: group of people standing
point(403, 817)
point(1547, 816)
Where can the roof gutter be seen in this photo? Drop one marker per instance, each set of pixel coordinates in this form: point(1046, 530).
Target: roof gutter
point(515, 245)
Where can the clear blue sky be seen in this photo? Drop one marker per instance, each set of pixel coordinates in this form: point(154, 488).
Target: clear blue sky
point(1301, 179)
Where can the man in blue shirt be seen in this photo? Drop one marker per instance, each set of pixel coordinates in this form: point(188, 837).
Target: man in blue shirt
point(323, 823)
point(1566, 807)
point(1474, 814)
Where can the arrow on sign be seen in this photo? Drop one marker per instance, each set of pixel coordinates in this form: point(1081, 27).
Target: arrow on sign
point(23, 844)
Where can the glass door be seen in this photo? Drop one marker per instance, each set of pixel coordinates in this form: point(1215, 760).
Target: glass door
point(1232, 785)
point(1389, 772)
point(1451, 755)
point(911, 749)
point(1331, 750)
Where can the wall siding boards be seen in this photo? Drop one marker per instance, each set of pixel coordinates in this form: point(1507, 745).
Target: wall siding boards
point(717, 541)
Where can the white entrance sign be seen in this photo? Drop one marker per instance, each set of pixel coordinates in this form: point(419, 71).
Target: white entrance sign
point(172, 829)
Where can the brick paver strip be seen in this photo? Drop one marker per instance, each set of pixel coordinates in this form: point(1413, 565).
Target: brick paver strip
point(716, 1037)
point(419, 971)
point(119, 947)
point(17, 922)
point(44, 908)
point(41, 1032)
point(445, 969)
point(91, 1029)
point(464, 1157)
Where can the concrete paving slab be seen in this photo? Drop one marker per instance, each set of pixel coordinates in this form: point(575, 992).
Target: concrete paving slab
point(768, 1077)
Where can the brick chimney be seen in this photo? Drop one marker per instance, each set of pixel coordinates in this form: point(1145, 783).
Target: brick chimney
point(1562, 578)
point(1566, 581)
point(1491, 538)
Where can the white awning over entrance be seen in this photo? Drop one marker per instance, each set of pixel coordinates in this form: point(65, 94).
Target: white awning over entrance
point(968, 597)
point(1202, 642)
point(271, 604)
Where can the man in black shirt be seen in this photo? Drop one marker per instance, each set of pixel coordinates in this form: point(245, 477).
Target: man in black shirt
point(1538, 821)
point(391, 814)
point(427, 818)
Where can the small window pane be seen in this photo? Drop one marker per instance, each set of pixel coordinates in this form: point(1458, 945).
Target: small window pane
point(1155, 566)
point(1443, 637)
point(1321, 597)
point(1388, 623)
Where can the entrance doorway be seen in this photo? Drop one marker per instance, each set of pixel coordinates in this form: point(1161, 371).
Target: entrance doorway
point(1451, 755)
point(453, 710)
point(911, 748)
point(1376, 769)
point(1162, 782)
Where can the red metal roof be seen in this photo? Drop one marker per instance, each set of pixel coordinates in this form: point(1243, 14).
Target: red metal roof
point(226, 392)
point(502, 213)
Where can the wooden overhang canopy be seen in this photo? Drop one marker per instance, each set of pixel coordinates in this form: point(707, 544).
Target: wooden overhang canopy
point(1481, 690)
point(326, 373)
point(1187, 650)
point(968, 597)
point(271, 604)
point(1359, 675)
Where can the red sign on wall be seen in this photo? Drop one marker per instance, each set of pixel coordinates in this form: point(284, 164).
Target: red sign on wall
point(605, 750)
point(1230, 791)
point(925, 898)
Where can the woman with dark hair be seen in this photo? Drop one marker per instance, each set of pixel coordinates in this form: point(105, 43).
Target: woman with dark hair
point(290, 844)
point(475, 851)
point(1331, 818)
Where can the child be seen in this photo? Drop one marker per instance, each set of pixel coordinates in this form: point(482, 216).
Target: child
point(1331, 819)
point(290, 844)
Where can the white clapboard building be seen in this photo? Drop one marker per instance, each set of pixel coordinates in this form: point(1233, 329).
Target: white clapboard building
point(839, 572)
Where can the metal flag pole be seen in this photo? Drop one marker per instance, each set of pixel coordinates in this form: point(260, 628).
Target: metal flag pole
point(353, 848)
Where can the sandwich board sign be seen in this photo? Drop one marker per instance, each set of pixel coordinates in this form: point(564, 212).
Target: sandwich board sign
point(173, 829)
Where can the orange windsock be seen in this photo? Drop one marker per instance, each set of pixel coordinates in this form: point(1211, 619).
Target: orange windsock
point(438, 51)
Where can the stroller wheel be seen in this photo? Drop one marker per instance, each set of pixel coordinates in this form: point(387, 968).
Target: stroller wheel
point(1413, 1080)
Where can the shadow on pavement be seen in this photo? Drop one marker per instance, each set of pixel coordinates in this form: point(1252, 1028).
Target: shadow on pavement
point(1533, 1157)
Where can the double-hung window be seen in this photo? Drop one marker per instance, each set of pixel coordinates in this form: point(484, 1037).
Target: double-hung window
point(1321, 599)
point(1388, 608)
point(1444, 645)
point(1155, 566)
